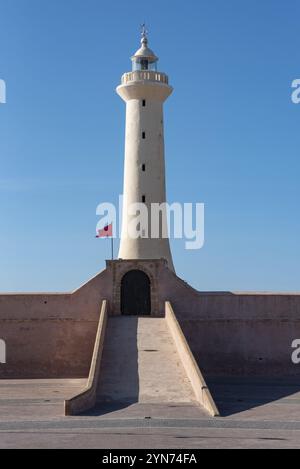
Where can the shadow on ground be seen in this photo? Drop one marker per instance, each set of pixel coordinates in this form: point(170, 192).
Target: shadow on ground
point(234, 395)
point(103, 408)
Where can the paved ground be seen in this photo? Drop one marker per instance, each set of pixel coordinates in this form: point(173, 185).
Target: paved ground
point(140, 363)
point(257, 414)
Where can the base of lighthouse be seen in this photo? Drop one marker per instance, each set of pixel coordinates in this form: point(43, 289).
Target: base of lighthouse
point(136, 287)
point(95, 332)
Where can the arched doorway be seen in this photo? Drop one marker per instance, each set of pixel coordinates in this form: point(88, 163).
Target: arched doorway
point(135, 293)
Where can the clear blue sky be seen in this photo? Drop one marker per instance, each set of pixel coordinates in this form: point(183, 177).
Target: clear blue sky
point(232, 135)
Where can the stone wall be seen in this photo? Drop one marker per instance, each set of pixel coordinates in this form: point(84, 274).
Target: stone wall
point(237, 333)
point(52, 335)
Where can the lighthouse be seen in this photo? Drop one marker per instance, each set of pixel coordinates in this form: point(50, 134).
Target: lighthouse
point(144, 91)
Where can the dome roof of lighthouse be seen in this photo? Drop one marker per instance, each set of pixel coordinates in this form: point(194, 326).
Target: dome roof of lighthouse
point(144, 51)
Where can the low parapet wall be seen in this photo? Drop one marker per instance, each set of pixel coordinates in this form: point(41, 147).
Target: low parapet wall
point(87, 398)
point(236, 333)
point(201, 390)
point(242, 334)
point(51, 335)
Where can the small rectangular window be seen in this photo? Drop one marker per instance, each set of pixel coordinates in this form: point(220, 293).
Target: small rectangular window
point(144, 64)
point(144, 103)
point(143, 199)
point(143, 167)
point(143, 134)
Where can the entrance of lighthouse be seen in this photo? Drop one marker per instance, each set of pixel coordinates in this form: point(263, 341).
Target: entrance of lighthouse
point(135, 294)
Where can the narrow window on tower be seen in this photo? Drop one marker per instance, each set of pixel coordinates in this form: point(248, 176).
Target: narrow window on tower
point(144, 103)
point(143, 167)
point(143, 134)
point(143, 199)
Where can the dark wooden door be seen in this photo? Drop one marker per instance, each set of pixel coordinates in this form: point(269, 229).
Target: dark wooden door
point(135, 293)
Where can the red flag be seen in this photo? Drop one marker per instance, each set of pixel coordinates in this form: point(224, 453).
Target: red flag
point(106, 232)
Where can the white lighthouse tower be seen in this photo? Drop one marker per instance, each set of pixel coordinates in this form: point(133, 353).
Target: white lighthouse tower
point(144, 90)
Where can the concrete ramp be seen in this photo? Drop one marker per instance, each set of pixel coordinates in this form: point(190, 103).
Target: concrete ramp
point(140, 363)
